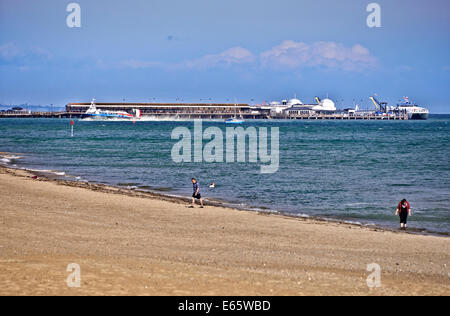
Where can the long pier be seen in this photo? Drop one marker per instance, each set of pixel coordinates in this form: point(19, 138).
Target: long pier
point(218, 116)
point(206, 111)
point(368, 117)
point(59, 115)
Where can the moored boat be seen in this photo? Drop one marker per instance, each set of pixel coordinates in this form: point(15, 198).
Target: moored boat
point(93, 113)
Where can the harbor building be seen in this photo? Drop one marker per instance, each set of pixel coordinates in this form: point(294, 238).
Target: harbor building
point(178, 110)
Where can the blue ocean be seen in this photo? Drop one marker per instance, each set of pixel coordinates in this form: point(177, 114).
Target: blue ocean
point(355, 171)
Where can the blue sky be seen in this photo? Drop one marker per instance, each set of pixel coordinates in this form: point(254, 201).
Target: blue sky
point(143, 50)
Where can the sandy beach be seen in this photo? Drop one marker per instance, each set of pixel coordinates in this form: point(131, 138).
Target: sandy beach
point(149, 245)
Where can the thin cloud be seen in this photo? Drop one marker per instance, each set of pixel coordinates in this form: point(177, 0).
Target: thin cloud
point(141, 64)
point(294, 55)
point(228, 58)
point(289, 55)
point(25, 59)
point(10, 51)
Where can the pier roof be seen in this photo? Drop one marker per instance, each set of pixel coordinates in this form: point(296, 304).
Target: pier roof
point(161, 104)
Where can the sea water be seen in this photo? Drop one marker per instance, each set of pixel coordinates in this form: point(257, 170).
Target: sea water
point(354, 171)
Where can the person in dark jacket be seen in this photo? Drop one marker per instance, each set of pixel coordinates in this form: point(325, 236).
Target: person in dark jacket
point(404, 210)
point(196, 195)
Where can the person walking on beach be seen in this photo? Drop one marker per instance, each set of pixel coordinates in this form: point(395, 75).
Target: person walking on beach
point(196, 195)
point(404, 210)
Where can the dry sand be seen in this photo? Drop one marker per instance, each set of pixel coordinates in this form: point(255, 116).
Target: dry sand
point(131, 245)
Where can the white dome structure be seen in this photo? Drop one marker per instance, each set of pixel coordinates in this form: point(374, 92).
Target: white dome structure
point(294, 102)
point(328, 105)
point(325, 105)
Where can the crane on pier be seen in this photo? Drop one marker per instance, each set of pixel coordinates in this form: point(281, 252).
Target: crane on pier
point(380, 106)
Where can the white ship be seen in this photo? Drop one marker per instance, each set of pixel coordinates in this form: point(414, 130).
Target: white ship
point(96, 114)
point(414, 111)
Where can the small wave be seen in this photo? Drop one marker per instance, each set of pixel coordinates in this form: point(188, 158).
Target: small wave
point(54, 172)
point(9, 158)
point(356, 204)
point(12, 157)
point(353, 223)
point(370, 225)
point(132, 187)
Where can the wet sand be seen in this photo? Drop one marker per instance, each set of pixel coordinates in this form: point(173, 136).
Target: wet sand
point(131, 243)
